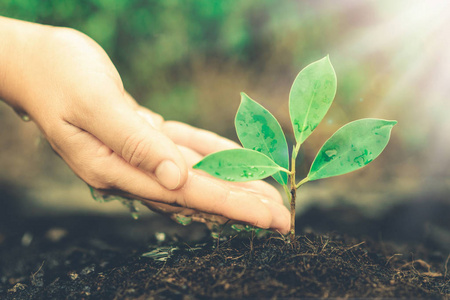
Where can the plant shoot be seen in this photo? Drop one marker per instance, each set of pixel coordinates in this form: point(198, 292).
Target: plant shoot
point(265, 151)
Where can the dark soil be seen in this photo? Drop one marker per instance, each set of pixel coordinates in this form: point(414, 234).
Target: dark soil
point(338, 253)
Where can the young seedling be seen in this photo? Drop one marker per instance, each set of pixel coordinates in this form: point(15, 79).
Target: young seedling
point(265, 151)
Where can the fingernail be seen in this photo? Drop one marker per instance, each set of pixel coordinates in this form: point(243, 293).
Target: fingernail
point(280, 216)
point(168, 174)
point(147, 118)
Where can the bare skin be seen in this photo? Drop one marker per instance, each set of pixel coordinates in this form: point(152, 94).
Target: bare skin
point(69, 87)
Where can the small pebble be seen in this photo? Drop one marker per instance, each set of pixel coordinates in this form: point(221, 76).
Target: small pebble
point(160, 236)
point(18, 287)
point(73, 275)
point(55, 234)
point(27, 238)
point(88, 270)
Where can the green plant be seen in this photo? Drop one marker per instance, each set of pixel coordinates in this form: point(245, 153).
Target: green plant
point(265, 151)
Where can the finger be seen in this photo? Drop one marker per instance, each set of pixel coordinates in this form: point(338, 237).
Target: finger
point(106, 170)
point(258, 186)
point(199, 140)
point(213, 196)
point(130, 100)
point(175, 212)
point(261, 187)
point(154, 119)
point(168, 209)
point(121, 128)
point(268, 193)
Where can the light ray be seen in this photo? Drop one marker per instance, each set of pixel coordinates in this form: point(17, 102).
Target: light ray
point(411, 39)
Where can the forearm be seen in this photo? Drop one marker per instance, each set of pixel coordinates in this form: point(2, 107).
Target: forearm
point(16, 44)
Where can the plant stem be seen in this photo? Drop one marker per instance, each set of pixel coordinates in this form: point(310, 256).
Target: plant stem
point(293, 198)
point(303, 181)
point(293, 193)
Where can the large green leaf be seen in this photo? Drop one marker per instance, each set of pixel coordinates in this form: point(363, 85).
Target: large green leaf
point(238, 165)
point(258, 130)
point(310, 98)
point(351, 147)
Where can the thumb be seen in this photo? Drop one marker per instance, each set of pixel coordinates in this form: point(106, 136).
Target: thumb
point(132, 137)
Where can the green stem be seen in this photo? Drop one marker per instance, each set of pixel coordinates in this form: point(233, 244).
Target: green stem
point(303, 181)
point(285, 170)
point(296, 149)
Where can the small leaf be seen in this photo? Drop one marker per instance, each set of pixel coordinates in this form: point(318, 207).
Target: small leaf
point(238, 165)
point(351, 147)
point(310, 98)
point(258, 130)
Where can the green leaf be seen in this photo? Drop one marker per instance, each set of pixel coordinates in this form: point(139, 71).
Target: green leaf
point(258, 130)
point(351, 147)
point(310, 98)
point(238, 165)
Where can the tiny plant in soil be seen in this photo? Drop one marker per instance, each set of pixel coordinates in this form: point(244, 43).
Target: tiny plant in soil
point(265, 151)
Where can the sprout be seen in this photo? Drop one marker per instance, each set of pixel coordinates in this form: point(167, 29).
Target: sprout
point(265, 151)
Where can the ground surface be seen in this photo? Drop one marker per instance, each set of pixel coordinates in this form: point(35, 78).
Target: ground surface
point(338, 253)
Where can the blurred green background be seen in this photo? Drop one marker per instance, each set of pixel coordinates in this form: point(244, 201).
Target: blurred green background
point(189, 60)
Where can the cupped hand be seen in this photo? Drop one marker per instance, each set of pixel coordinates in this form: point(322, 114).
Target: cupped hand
point(206, 198)
point(70, 88)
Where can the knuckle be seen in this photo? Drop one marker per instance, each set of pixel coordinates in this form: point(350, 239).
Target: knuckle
point(264, 220)
point(103, 151)
point(67, 34)
point(174, 126)
point(97, 185)
point(158, 119)
point(95, 180)
point(220, 201)
point(136, 148)
point(171, 123)
point(95, 175)
point(168, 126)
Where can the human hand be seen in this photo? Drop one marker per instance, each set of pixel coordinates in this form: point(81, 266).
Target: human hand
point(236, 198)
point(69, 87)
